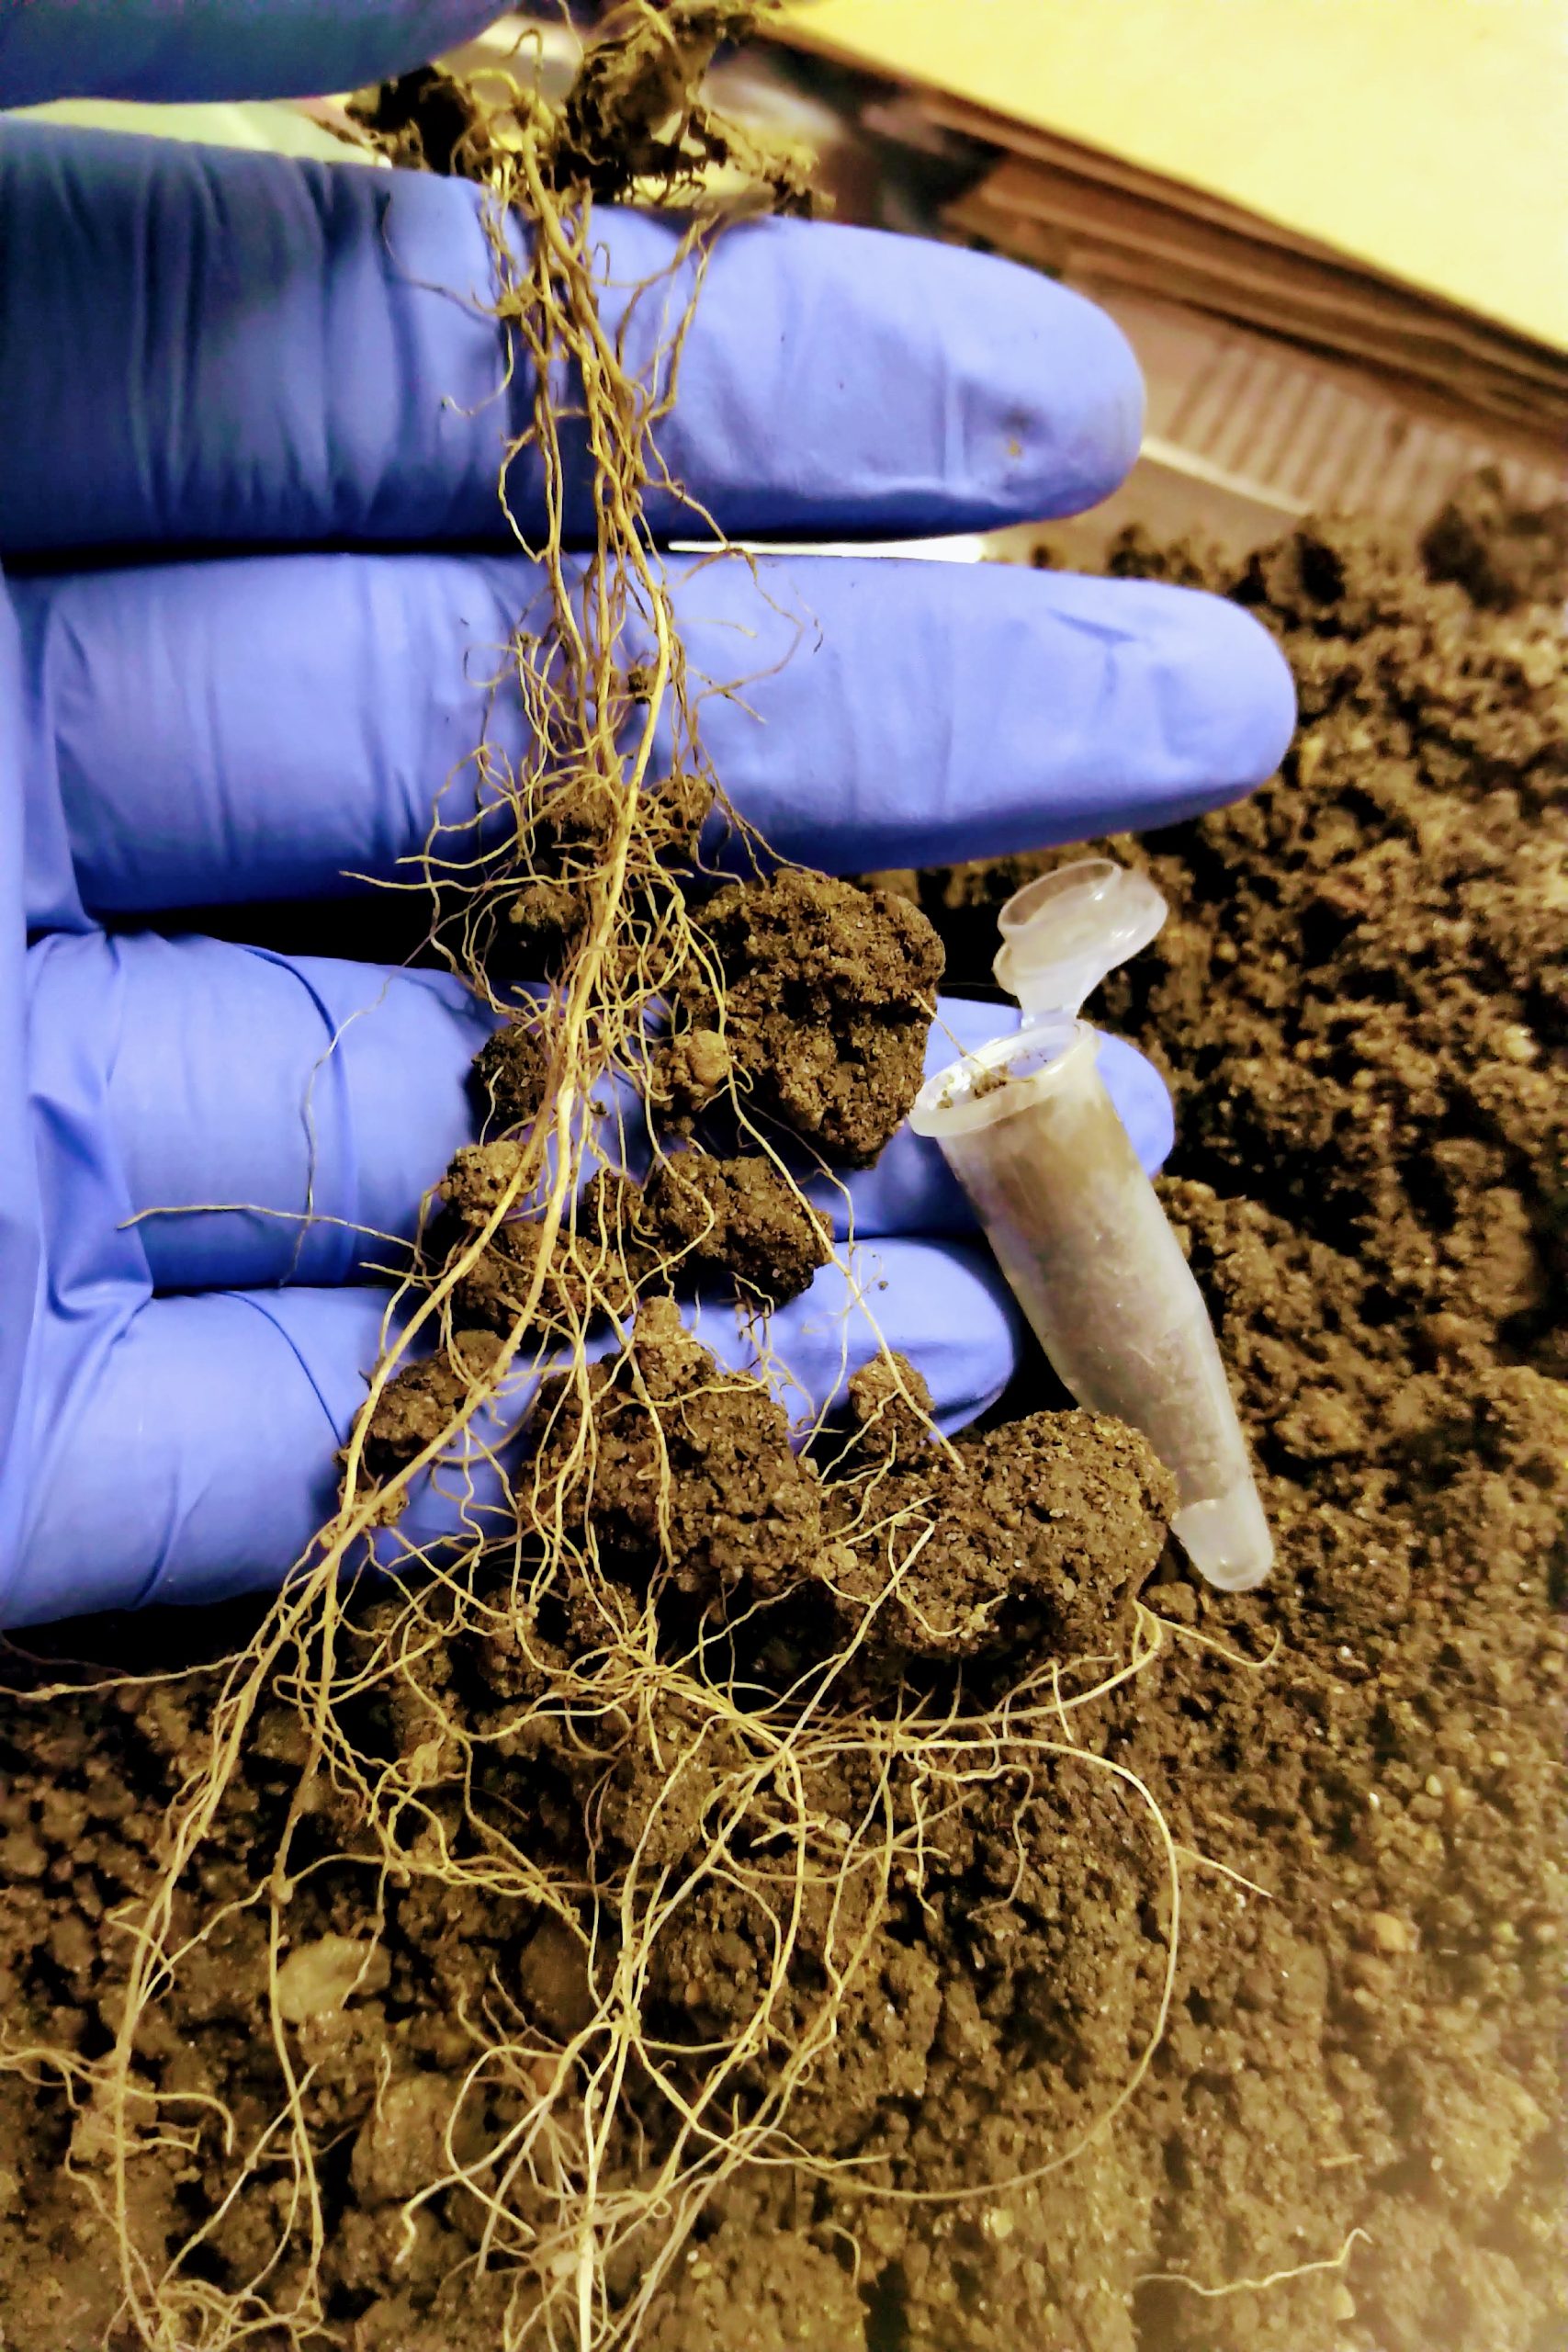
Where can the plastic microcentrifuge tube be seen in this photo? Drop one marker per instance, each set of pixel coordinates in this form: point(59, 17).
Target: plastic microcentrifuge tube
point(1033, 1137)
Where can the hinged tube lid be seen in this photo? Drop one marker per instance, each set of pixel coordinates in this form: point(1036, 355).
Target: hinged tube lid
point(1063, 934)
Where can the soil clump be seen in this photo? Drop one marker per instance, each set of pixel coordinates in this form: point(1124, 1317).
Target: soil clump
point(827, 992)
point(735, 1224)
point(1032, 1540)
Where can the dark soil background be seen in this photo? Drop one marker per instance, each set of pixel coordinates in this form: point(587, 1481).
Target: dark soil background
point(1360, 1001)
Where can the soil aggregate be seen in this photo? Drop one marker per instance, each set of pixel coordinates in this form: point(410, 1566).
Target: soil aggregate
point(742, 1506)
point(700, 1221)
point(1041, 1532)
point(1347, 2138)
point(827, 994)
point(417, 1407)
point(733, 1220)
point(510, 1073)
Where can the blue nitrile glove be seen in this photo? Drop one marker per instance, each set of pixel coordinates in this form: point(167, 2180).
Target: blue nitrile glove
point(208, 352)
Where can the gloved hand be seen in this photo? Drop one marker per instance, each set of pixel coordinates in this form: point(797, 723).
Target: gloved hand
point(250, 410)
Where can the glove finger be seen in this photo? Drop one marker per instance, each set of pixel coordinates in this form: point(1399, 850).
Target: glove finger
point(257, 729)
point(221, 48)
point(320, 1100)
point(325, 1096)
point(204, 345)
point(201, 1462)
point(942, 1304)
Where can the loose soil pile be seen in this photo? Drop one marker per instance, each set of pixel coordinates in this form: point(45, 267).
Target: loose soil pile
point(1346, 2134)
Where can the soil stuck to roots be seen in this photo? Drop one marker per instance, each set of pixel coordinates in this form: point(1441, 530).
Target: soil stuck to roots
point(813, 1001)
point(889, 1871)
point(1345, 2136)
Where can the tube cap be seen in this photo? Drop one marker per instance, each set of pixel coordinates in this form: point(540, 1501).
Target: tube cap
point(1063, 934)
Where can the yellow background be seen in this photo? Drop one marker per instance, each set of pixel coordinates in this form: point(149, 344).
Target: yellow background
point(1429, 138)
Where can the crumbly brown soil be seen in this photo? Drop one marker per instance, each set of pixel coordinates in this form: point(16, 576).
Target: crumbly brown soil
point(510, 1073)
point(1359, 1002)
point(1041, 1534)
point(1502, 555)
point(737, 1219)
point(828, 993)
point(699, 1222)
point(1033, 1538)
point(688, 1465)
point(418, 1405)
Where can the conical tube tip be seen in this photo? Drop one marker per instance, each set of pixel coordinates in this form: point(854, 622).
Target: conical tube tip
point(1226, 1537)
